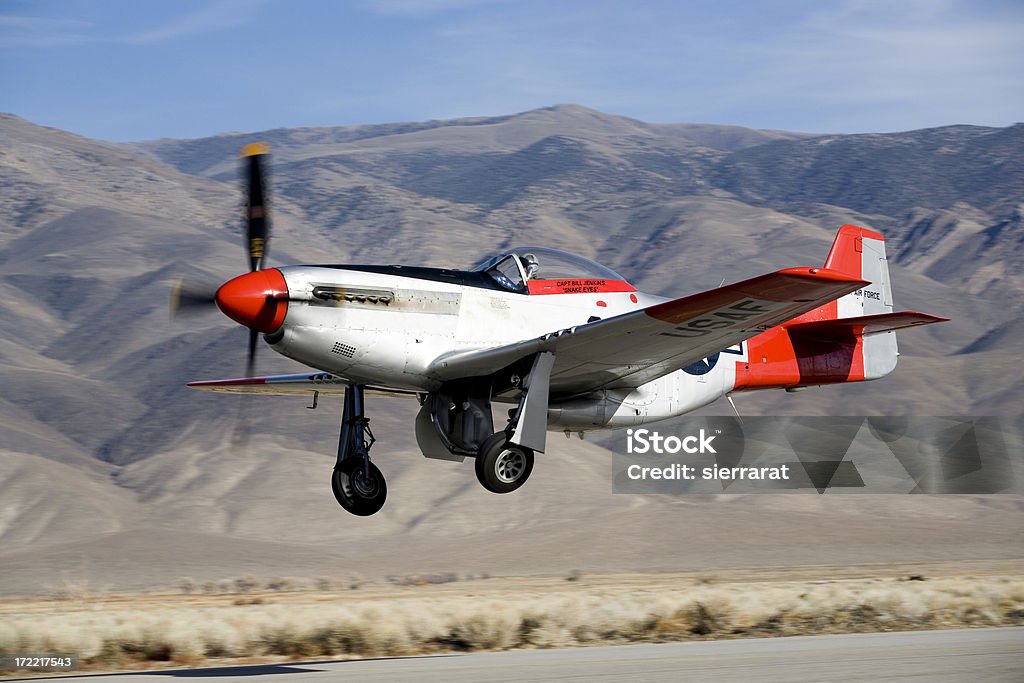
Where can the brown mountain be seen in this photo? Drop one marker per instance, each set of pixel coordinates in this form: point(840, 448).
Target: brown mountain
point(113, 470)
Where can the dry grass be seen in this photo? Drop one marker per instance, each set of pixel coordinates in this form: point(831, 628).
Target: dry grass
point(117, 632)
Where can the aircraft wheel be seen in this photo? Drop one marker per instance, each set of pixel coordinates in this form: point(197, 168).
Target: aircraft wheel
point(502, 467)
point(356, 492)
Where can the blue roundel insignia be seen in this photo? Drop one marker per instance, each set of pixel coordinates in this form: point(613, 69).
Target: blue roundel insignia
point(703, 366)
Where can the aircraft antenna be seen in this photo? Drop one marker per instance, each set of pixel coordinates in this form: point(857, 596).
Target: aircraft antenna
point(735, 410)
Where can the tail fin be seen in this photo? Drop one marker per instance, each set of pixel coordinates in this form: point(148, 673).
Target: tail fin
point(850, 339)
point(861, 252)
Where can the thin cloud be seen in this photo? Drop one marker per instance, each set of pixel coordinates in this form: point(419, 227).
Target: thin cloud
point(29, 31)
point(421, 7)
point(900, 65)
point(219, 15)
point(23, 31)
point(851, 65)
point(857, 65)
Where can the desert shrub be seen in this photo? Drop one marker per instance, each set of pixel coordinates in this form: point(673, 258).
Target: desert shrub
point(486, 630)
point(288, 641)
point(246, 583)
point(120, 635)
point(424, 579)
point(281, 583)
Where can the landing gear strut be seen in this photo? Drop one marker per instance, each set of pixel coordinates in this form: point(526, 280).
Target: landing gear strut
point(358, 485)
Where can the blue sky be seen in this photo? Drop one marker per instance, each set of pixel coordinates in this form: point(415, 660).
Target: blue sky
point(121, 70)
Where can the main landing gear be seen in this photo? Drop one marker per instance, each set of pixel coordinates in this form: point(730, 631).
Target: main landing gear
point(454, 422)
point(502, 466)
point(358, 484)
point(504, 461)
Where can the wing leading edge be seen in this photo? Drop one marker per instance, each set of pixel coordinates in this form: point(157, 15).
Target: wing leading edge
point(636, 347)
point(301, 384)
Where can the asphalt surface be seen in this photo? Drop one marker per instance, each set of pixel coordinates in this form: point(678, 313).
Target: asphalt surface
point(994, 654)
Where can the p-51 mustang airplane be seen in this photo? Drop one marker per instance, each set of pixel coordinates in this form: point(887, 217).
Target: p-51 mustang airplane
point(566, 342)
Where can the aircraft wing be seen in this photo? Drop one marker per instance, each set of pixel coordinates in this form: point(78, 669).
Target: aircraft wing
point(636, 347)
point(301, 384)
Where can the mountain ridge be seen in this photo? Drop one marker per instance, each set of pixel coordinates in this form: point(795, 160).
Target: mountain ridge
point(92, 372)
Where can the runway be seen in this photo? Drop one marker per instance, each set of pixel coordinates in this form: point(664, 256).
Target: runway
point(994, 654)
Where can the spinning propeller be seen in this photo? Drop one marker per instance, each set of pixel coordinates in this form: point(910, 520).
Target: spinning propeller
point(258, 299)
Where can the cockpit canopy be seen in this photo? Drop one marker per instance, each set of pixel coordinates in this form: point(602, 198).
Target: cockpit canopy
point(514, 268)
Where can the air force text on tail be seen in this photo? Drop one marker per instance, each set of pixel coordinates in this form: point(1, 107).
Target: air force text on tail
point(643, 441)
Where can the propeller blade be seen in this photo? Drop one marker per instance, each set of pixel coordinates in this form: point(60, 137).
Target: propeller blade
point(243, 422)
point(257, 226)
point(243, 427)
point(190, 298)
point(250, 364)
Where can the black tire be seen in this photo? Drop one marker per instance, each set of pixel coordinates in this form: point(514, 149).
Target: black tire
point(354, 491)
point(502, 467)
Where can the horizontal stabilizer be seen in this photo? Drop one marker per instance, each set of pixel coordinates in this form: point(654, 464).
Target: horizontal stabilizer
point(865, 325)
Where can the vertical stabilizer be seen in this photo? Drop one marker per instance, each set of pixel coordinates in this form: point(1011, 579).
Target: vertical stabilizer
point(850, 339)
point(861, 252)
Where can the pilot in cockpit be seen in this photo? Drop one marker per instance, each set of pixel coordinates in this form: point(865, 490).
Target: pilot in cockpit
point(531, 265)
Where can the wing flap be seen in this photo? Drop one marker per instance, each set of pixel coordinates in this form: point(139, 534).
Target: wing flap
point(633, 348)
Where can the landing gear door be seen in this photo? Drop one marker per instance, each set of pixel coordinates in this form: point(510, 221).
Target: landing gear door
point(531, 420)
point(455, 420)
point(428, 440)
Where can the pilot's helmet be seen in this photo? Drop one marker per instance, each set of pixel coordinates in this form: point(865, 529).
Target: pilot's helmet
point(531, 265)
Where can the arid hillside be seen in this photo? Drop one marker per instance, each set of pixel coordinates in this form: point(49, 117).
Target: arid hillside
point(112, 471)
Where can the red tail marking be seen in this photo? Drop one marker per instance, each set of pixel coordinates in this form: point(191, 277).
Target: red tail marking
point(847, 250)
point(777, 359)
